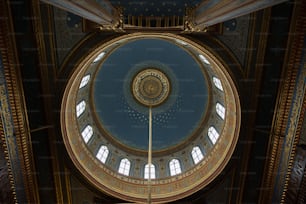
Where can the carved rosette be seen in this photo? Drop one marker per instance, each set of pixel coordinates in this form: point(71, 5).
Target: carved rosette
point(150, 87)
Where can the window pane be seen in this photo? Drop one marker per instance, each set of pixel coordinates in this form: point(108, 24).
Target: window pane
point(84, 81)
point(204, 59)
point(100, 56)
point(124, 167)
point(146, 171)
point(217, 83)
point(220, 110)
point(181, 42)
point(213, 135)
point(87, 133)
point(197, 154)
point(102, 154)
point(80, 108)
point(175, 167)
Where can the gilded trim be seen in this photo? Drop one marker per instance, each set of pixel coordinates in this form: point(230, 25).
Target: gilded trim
point(17, 147)
point(283, 138)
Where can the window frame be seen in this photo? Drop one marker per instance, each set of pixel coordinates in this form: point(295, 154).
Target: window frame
point(124, 167)
point(99, 57)
point(197, 154)
point(213, 134)
point(87, 133)
point(102, 153)
point(84, 81)
point(220, 110)
point(175, 167)
point(146, 171)
point(218, 84)
point(80, 108)
point(204, 59)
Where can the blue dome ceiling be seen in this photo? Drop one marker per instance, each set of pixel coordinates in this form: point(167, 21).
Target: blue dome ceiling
point(113, 119)
point(175, 120)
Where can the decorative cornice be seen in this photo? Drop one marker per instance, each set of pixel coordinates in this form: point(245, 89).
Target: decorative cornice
point(296, 178)
point(297, 61)
point(284, 137)
point(16, 130)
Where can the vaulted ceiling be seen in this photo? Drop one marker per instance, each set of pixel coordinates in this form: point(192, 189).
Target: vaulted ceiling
point(265, 53)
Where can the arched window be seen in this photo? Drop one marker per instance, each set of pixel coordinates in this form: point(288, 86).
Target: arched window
point(124, 167)
point(146, 171)
point(204, 59)
point(80, 108)
point(84, 81)
point(181, 42)
point(220, 110)
point(217, 83)
point(87, 133)
point(213, 134)
point(102, 154)
point(100, 56)
point(197, 154)
point(175, 167)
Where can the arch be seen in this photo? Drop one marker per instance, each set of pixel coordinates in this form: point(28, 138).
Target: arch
point(80, 108)
point(146, 171)
point(213, 134)
point(102, 154)
point(204, 59)
point(124, 167)
point(197, 154)
point(220, 109)
point(99, 57)
point(218, 83)
point(87, 133)
point(84, 81)
point(175, 167)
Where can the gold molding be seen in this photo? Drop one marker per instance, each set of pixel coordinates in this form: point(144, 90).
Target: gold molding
point(293, 134)
point(285, 100)
point(16, 102)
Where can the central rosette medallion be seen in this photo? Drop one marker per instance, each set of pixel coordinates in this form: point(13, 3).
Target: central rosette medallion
point(150, 87)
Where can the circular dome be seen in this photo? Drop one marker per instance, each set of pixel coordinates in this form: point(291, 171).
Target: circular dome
point(195, 117)
point(121, 105)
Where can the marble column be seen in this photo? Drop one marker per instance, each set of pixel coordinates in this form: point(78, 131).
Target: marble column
point(102, 13)
point(211, 12)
